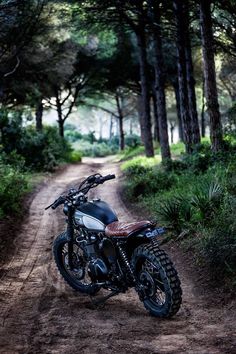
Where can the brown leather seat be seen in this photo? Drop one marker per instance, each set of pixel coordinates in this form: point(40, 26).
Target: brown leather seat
point(122, 229)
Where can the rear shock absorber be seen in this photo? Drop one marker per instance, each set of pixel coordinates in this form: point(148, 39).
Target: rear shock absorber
point(126, 262)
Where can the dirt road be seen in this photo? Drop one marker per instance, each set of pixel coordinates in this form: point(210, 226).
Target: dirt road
point(40, 314)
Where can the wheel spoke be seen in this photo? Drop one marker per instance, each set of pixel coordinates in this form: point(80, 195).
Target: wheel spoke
point(79, 272)
point(159, 295)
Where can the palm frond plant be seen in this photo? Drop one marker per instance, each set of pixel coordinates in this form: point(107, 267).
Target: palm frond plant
point(169, 212)
point(207, 199)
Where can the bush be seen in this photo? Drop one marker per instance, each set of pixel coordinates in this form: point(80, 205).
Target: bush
point(13, 159)
point(75, 157)
point(132, 141)
point(177, 213)
point(131, 152)
point(40, 151)
point(13, 185)
point(195, 197)
point(143, 161)
point(94, 150)
point(147, 181)
point(218, 243)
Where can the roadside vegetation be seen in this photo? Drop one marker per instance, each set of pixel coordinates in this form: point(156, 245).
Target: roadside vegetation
point(90, 145)
point(194, 197)
point(24, 151)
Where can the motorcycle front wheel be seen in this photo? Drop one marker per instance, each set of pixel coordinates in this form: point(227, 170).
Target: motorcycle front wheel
point(158, 283)
point(77, 277)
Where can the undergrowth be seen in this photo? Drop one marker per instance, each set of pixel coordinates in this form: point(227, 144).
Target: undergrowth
point(195, 198)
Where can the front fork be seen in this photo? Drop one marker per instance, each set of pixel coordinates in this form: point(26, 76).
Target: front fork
point(70, 236)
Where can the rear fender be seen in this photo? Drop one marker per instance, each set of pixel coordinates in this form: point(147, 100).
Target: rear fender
point(146, 236)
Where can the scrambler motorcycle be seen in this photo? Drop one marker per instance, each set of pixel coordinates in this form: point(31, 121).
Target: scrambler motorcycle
point(99, 252)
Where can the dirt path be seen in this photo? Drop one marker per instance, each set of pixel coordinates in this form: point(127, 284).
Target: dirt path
point(40, 314)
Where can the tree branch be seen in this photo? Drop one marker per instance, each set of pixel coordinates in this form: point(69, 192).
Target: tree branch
point(15, 68)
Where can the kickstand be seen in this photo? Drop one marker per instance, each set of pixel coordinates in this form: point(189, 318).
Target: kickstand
point(99, 303)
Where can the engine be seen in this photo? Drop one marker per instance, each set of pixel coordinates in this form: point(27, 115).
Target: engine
point(102, 255)
point(98, 270)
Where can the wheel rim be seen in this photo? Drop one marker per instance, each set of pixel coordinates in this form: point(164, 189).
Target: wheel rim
point(79, 272)
point(152, 285)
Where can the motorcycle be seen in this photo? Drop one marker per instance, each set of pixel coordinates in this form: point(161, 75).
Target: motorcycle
point(99, 252)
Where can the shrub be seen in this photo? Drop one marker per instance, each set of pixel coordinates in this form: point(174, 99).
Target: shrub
point(13, 185)
point(196, 194)
point(132, 141)
point(43, 150)
point(148, 182)
point(75, 156)
point(39, 150)
point(218, 243)
point(13, 159)
point(177, 149)
point(207, 199)
point(95, 149)
point(143, 161)
point(131, 152)
point(177, 212)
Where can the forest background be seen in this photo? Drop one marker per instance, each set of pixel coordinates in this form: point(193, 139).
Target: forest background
point(151, 81)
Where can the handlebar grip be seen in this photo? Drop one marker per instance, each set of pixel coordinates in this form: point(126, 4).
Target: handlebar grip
point(91, 179)
point(58, 202)
point(108, 177)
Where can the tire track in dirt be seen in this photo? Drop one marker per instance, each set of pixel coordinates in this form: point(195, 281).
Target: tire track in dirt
point(40, 314)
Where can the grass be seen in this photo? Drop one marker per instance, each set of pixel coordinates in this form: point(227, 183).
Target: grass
point(141, 161)
point(129, 153)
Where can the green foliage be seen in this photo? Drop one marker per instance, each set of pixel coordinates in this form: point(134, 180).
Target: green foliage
point(88, 145)
point(176, 212)
point(193, 200)
point(218, 242)
point(230, 126)
point(26, 147)
point(177, 149)
point(131, 152)
point(141, 161)
point(44, 150)
point(75, 157)
point(94, 150)
point(13, 185)
point(145, 181)
point(207, 199)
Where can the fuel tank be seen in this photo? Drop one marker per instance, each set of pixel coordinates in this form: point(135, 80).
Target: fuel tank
point(94, 215)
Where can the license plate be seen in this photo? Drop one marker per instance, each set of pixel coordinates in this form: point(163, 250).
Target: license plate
point(155, 232)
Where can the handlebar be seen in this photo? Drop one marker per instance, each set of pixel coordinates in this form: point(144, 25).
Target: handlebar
point(57, 202)
point(100, 179)
point(90, 182)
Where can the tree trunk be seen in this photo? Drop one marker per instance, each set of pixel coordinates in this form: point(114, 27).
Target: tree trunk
point(59, 114)
point(154, 12)
point(210, 75)
point(182, 74)
point(140, 112)
point(156, 120)
point(178, 110)
point(120, 119)
point(145, 96)
point(111, 128)
point(61, 128)
point(203, 120)
point(172, 127)
point(131, 127)
point(39, 115)
point(191, 84)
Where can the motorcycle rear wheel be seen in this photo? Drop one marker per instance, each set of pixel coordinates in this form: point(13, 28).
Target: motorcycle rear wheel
point(158, 282)
point(77, 278)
